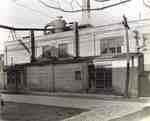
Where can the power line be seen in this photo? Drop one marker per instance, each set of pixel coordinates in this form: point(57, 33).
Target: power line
point(74, 1)
point(102, 0)
point(146, 3)
point(78, 3)
point(80, 10)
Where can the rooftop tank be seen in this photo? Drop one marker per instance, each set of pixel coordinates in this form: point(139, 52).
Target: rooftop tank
point(57, 25)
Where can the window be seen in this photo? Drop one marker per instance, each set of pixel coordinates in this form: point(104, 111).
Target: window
point(118, 49)
point(63, 50)
point(77, 75)
point(111, 45)
point(112, 50)
point(46, 51)
point(104, 51)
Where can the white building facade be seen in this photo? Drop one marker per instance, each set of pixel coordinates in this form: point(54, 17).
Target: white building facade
point(106, 43)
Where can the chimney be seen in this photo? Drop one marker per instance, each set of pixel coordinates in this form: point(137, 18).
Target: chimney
point(86, 11)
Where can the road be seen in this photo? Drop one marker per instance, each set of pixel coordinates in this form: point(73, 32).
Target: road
point(92, 109)
point(35, 112)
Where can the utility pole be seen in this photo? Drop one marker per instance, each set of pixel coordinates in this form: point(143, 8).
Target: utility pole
point(137, 40)
point(86, 9)
point(126, 26)
point(32, 46)
point(76, 39)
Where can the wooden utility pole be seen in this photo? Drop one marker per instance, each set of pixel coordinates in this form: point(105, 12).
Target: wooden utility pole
point(86, 9)
point(32, 47)
point(137, 40)
point(76, 39)
point(126, 26)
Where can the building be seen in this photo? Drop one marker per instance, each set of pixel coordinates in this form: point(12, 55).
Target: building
point(100, 65)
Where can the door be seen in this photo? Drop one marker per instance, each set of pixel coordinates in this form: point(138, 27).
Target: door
point(14, 78)
point(103, 77)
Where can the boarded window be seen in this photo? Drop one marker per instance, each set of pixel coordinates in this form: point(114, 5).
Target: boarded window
point(63, 50)
point(77, 75)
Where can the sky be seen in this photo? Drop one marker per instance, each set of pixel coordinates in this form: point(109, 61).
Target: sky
point(30, 13)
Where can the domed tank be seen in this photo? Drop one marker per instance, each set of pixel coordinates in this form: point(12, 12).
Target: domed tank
point(59, 24)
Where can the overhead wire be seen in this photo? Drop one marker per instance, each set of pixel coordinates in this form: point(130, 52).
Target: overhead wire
point(71, 4)
point(102, 0)
point(78, 3)
point(80, 10)
point(146, 3)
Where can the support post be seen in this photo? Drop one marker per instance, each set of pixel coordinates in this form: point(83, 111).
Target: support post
point(32, 47)
point(126, 26)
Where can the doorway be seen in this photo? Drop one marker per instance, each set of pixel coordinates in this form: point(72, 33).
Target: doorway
point(103, 77)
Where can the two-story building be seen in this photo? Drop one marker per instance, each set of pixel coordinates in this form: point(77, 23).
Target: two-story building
point(100, 66)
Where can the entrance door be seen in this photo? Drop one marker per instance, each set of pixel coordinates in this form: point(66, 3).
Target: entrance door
point(103, 77)
point(15, 78)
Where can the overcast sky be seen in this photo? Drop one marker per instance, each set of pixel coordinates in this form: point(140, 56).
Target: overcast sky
point(30, 13)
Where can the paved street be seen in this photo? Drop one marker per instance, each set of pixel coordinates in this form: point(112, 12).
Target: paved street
point(32, 112)
point(94, 109)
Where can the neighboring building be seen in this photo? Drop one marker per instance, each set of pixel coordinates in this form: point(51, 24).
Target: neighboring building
point(101, 64)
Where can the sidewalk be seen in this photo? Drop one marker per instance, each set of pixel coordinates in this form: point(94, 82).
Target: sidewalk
point(80, 95)
point(84, 102)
